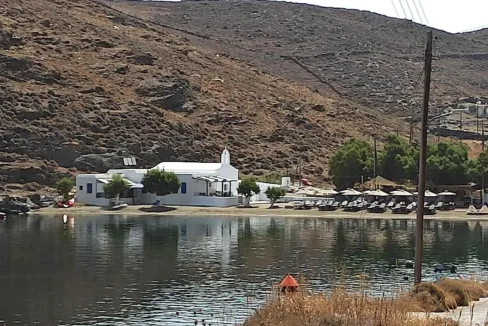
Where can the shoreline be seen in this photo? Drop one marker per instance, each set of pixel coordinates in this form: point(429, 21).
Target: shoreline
point(259, 210)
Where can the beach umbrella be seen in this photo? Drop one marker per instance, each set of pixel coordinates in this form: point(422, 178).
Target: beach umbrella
point(326, 192)
point(309, 191)
point(428, 193)
point(302, 192)
point(351, 192)
point(376, 193)
point(447, 193)
point(400, 193)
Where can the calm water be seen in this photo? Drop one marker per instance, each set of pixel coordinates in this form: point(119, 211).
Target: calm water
point(143, 270)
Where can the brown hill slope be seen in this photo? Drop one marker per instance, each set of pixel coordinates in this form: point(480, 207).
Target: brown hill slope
point(479, 35)
point(372, 59)
point(82, 86)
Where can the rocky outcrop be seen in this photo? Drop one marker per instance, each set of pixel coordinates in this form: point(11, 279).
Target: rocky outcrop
point(8, 40)
point(23, 70)
point(99, 162)
point(168, 92)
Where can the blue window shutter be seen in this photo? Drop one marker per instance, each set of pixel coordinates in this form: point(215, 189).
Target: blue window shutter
point(183, 187)
point(89, 188)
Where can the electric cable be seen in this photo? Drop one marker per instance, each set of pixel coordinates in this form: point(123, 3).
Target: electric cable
point(394, 7)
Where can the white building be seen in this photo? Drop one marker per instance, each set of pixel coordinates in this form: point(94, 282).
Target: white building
point(202, 184)
point(263, 186)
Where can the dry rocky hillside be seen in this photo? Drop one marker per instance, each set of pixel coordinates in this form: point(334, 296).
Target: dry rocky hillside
point(83, 85)
point(480, 35)
point(365, 57)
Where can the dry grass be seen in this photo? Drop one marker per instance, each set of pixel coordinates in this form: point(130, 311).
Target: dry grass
point(342, 309)
point(433, 298)
point(448, 294)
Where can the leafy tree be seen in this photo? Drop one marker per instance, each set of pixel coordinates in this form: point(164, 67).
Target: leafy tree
point(274, 193)
point(247, 188)
point(476, 168)
point(398, 160)
point(116, 187)
point(351, 162)
point(64, 187)
point(160, 182)
point(447, 163)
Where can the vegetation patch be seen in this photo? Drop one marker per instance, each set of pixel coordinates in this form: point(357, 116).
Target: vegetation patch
point(341, 308)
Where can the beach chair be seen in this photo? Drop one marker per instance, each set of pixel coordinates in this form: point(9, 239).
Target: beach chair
point(484, 210)
point(391, 204)
point(472, 210)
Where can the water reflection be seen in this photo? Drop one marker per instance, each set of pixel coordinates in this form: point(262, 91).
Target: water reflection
point(117, 270)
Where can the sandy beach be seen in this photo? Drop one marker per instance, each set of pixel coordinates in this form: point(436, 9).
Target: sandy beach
point(255, 210)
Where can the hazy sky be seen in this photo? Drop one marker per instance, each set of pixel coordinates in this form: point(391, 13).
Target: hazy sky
point(449, 15)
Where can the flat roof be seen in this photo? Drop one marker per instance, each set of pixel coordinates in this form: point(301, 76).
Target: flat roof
point(189, 167)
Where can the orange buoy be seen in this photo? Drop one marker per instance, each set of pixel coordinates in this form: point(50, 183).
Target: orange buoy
point(289, 284)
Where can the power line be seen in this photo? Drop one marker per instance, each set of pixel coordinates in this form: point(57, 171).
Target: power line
point(394, 7)
point(474, 29)
point(423, 12)
point(410, 9)
point(417, 10)
point(403, 9)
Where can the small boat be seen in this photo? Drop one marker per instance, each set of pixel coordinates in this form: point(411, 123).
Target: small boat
point(3, 216)
point(14, 208)
point(118, 207)
point(66, 204)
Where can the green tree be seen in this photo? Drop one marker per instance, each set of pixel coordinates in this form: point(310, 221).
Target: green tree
point(476, 168)
point(116, 187)
point(351, 162)
point(160, 182)
point(64, 187)
point(398, 160)
point(274, 193)
point(247, 188)
point(447, 163)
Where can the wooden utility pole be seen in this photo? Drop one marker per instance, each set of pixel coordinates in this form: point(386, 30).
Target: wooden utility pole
point(375, 162)
point(477, 120)
point(482, 161)
point(419, 238)
point(410, 137)
point(483, 127)
point(439, 124)
point(299, 172)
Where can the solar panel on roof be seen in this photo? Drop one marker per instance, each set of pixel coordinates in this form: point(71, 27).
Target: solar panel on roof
point(130, 161)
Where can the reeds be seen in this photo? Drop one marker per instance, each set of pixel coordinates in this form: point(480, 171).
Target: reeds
point(448, 294)
point(342, 309)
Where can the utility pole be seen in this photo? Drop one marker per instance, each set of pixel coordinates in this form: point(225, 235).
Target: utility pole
point(299, 172)
point(482, 161)
point(461, 126)
point(439, 124)
point(410, 137)
point(374, 165)
point(477, 119)
point(419, 238)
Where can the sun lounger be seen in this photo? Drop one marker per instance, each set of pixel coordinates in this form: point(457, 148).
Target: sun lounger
point(473, 211)
point(484, 210)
